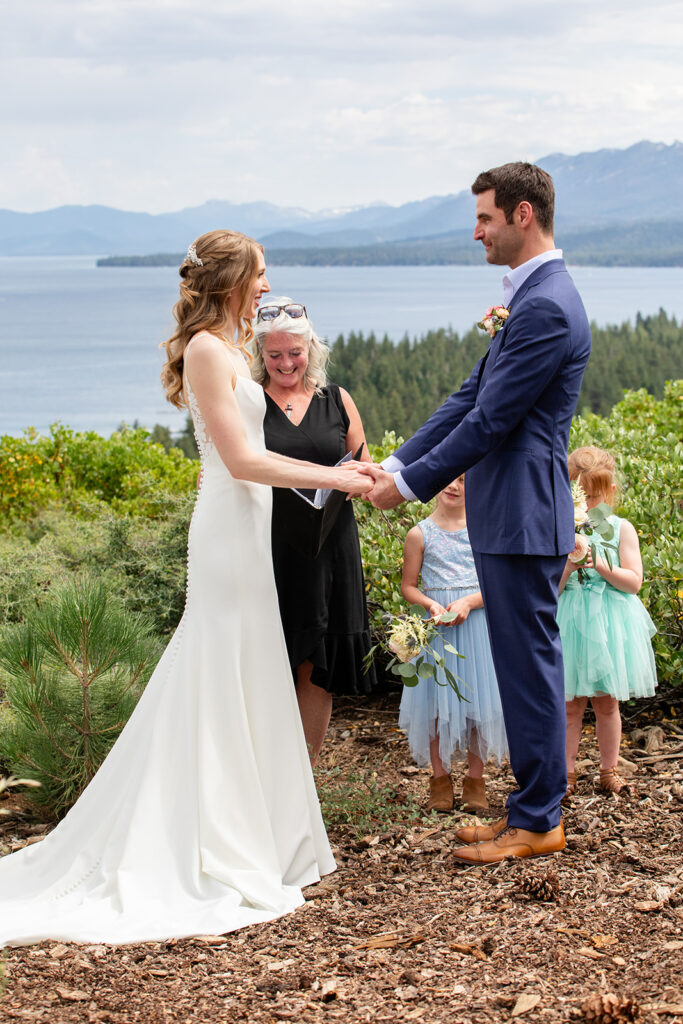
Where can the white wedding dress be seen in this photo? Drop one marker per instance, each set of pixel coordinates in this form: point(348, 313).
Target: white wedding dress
point(204, 817)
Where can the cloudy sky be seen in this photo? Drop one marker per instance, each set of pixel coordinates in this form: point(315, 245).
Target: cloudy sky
point(160, 104)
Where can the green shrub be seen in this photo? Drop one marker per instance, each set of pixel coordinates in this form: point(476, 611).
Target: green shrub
point(645, 436)
point(74, 671)
point(142, 560)
point(147, 560)
point(80, 471)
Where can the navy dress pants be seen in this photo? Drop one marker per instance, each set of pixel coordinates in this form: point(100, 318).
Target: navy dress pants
point(520, 599)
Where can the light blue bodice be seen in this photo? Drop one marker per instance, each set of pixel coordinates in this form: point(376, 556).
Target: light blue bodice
point(448, 561)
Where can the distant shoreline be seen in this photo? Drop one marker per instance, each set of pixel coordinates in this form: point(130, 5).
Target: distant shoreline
point(386, 256)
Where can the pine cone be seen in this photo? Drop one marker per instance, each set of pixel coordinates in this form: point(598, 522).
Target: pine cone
point(607, 1008)
point(543, 887)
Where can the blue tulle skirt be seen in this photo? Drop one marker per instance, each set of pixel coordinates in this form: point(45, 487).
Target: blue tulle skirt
point(605, 641)
point(476, 723)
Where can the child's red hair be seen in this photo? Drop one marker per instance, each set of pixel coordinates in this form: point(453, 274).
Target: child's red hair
point(596, 471)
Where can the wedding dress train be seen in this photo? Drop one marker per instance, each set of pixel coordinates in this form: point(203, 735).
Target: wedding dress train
point(204, 816)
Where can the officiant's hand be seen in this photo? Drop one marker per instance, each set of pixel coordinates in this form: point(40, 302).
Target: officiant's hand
point(384, 494)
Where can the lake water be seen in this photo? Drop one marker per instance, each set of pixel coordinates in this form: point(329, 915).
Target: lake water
point(79, 344)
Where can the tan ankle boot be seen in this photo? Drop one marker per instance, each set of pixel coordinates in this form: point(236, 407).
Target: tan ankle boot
point(474, 795)
point(440, 794)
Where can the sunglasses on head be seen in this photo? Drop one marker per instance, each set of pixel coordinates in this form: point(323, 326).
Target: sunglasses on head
point(293, 309)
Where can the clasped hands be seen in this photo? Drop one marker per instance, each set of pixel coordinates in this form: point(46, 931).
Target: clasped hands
point(384, 493)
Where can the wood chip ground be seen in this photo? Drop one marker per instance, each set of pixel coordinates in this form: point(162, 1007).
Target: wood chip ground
point(402, 933)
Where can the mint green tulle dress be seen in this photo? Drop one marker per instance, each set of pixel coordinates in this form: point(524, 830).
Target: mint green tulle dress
point(605, 636)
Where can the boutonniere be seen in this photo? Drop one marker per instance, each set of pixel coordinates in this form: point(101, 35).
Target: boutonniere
point(494, 319)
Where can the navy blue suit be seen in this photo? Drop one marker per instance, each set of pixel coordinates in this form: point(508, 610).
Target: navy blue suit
point(507, 428)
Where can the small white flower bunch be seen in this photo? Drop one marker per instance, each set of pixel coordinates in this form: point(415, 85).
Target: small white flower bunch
point(408, 640)
point(408, 635)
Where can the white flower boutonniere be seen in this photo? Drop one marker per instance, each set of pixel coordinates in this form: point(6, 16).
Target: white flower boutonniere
point(494, 319)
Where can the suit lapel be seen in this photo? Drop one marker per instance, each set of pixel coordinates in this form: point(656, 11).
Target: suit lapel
point(498, 340)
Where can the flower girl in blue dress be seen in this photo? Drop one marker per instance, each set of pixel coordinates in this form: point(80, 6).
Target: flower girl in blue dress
point(438, 725)
point(605, 628)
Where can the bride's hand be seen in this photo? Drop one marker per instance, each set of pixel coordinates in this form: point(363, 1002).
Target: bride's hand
point(352, 481)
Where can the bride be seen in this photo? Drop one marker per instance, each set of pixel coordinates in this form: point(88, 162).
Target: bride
point(204, 817)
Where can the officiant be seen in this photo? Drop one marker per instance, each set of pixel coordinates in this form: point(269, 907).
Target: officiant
point(319, 577)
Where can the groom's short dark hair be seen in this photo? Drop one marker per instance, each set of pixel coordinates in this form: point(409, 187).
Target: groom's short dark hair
point(516, 183)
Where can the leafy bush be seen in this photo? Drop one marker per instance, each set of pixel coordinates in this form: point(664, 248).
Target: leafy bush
point(142, 560)
point(645, 436)
point(74, 672)
point(80, 471)
point(147, 561)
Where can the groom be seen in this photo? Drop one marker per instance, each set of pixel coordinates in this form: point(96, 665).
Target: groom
point(508, 428)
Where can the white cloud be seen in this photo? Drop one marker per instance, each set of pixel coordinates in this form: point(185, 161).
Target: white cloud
point(158, 105)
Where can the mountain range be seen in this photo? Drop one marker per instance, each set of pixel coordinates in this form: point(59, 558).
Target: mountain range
point(600, 191)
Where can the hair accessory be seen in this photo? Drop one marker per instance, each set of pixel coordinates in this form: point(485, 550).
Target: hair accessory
point(193, 257)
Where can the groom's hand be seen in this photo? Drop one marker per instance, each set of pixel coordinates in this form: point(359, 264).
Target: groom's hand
point(385, 494)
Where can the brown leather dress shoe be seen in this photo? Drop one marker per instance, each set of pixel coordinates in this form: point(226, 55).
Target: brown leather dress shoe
point(511, 843)
point(481, 833)
point(440, 794)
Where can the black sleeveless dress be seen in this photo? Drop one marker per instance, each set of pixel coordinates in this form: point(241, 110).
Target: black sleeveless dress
point(322, 599)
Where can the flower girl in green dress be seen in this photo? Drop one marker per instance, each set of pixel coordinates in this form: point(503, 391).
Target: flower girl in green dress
point(604, 626)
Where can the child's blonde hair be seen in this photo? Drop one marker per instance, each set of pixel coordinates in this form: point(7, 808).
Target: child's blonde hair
point(596, 471)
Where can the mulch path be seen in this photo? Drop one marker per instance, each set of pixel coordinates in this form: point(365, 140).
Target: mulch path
point(401, 932)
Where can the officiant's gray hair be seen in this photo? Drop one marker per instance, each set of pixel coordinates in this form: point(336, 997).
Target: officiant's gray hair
point(301, 327)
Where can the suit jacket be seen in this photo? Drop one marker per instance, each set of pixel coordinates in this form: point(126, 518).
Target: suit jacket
point(508, 425)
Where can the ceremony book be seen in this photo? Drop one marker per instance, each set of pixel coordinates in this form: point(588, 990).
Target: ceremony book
point(308, 516)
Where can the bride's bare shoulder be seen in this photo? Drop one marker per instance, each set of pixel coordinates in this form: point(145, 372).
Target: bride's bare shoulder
point(208, 357)
point(203, 343)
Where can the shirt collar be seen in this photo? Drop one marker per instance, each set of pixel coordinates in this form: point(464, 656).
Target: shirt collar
point(514, 279)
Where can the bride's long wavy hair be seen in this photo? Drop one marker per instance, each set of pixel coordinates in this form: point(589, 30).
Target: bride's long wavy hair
point(229, 262)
